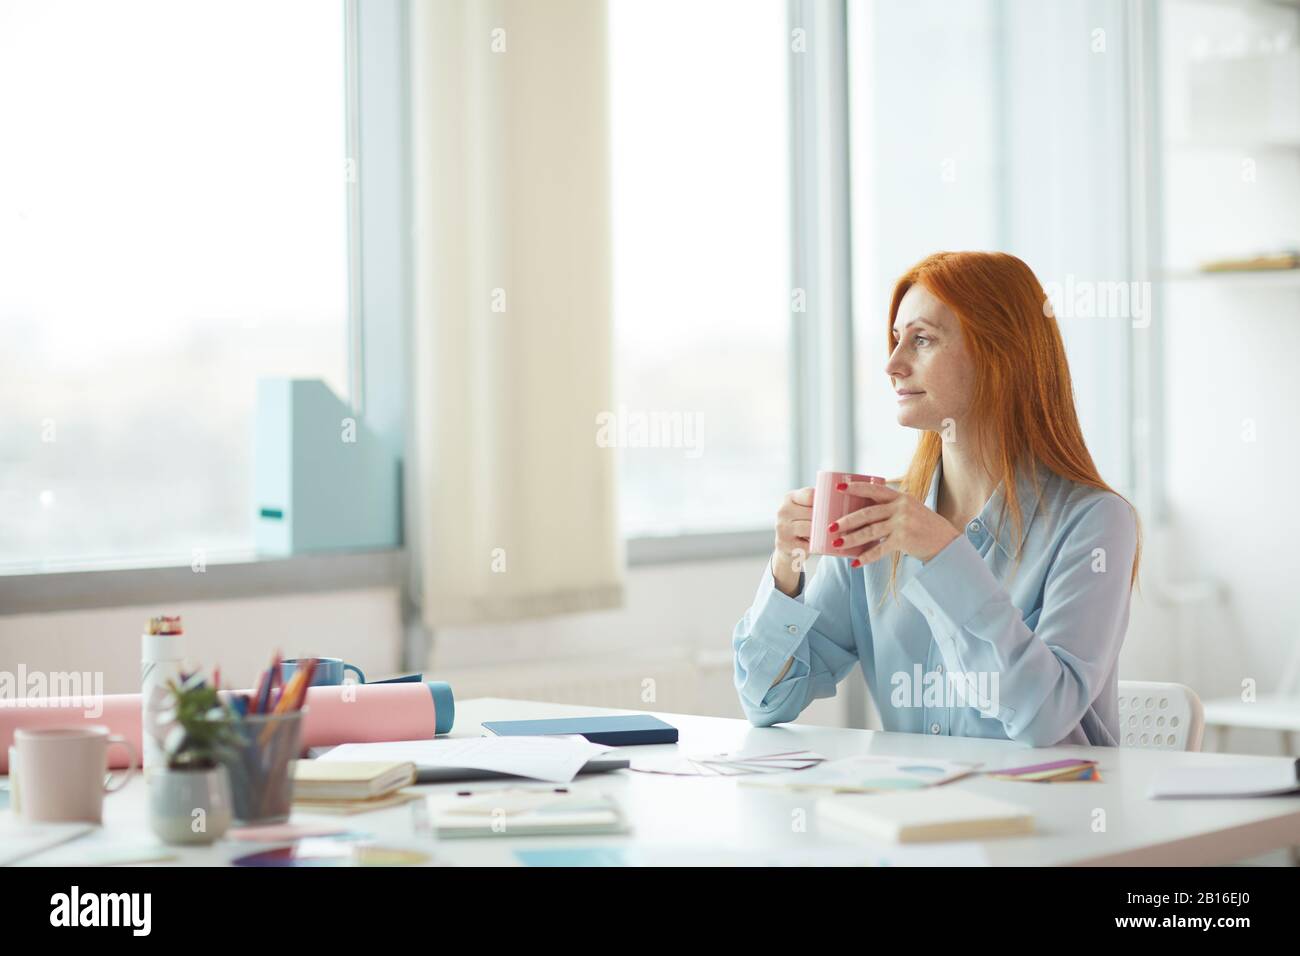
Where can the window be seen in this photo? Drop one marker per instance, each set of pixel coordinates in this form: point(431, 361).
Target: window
point(173, 227)
point(924, 177)
point(1013, 137)
point(701, 262)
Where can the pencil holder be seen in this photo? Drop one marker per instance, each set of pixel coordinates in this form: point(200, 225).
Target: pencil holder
point(261, 766)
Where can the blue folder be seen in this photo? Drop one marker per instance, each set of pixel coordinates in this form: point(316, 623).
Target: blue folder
point(622, 731)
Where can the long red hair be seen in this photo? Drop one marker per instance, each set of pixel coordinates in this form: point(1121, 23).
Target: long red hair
point(1022, 380)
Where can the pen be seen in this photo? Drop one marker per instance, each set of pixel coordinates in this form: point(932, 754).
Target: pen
point(264, 699)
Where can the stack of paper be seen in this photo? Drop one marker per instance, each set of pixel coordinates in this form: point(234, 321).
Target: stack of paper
point(524, 812)
point(346, 780)
point(944, 813)
point(339, 786)
point(728, 764)
point(1057, 771)
point(867, 774)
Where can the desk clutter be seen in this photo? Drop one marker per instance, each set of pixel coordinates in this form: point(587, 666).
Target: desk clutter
point(264, 769)
point(223, 762)
point(212, 756)
point(369, 745)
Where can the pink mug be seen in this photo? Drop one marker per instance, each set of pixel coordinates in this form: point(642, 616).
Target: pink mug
point(830, 505)
point(62, 772)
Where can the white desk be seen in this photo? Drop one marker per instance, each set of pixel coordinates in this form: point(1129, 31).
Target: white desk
point(748, 824)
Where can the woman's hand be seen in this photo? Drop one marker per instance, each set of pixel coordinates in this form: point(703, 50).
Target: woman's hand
point(793, 529)
point(901, 522)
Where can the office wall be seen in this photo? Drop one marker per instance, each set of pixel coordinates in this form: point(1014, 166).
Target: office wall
point(1218, 604)
point(1230, 151)
point(239, 635)
point(1232, 388)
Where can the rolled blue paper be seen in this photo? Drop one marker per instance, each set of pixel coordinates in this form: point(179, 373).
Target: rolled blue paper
point(444, 706)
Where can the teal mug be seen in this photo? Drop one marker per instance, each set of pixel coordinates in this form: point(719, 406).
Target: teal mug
point(329, 670)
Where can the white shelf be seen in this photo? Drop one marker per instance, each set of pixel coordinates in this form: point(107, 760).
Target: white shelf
point(1234, 146)
point(1284, 4)
point(1280, 278)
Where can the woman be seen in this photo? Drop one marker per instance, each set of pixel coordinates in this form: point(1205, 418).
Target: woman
point(991, 593)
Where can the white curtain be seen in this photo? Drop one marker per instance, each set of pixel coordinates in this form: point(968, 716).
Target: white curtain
point(514, 501)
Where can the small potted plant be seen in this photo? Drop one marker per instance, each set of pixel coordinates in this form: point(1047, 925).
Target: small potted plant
point(189, 798)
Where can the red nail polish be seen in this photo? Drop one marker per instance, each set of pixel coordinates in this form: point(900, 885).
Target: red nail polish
point(838, 542)
point(856, 563)
point(834, 527)
point(842, 486)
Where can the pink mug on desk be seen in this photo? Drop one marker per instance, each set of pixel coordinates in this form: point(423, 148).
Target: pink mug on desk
point(63, 774)
point(830, 505)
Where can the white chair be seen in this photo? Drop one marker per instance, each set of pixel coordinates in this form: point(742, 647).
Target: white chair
point(1159, 716)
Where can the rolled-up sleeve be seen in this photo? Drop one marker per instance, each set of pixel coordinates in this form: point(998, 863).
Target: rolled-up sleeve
point(814, 628)
point(1049, 676)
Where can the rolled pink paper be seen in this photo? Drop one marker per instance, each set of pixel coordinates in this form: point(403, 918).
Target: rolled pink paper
point(120, 713)
point(336, 714)
point(830, 505)
point(366, 713)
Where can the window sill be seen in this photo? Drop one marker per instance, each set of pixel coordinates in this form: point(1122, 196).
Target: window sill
point(244, 577)
point(680, 549)
point(74, 588)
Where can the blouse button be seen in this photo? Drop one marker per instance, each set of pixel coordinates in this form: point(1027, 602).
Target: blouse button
point(793, 629)
point(974, 527)
point(938, 668)
point(934, 728)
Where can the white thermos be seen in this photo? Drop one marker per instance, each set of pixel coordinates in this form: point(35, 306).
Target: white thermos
point(161, 654)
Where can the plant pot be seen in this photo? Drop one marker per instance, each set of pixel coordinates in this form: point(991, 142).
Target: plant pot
point(189, 806)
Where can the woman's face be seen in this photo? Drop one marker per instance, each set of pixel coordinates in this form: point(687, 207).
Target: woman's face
point(929, 364)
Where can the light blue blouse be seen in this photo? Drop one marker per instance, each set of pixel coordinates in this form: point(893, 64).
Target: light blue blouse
point(1031, 656)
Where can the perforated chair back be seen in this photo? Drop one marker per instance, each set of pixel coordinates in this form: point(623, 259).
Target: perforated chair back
point(1159, 716)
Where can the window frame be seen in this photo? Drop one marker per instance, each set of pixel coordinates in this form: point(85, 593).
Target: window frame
point(821, 357)
point(378, 326)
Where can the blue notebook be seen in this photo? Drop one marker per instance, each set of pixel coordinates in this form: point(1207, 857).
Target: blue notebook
point(622, 731)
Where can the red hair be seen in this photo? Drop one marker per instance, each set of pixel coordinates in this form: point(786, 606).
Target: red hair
point(1022, 378)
